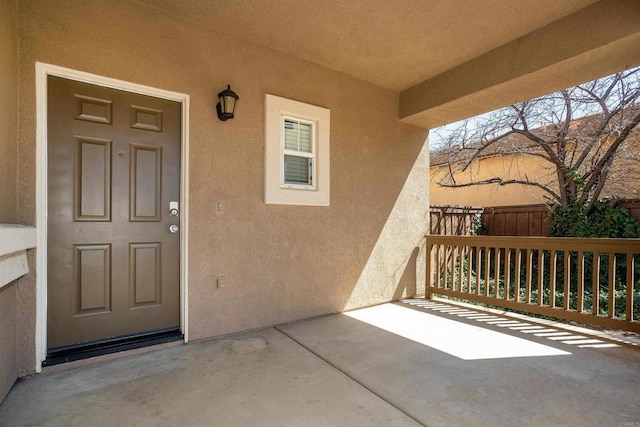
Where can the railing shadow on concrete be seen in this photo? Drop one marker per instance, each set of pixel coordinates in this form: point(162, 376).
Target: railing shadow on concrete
point(592, 281)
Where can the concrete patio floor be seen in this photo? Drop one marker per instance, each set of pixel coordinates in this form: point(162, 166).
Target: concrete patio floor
point(411, 363)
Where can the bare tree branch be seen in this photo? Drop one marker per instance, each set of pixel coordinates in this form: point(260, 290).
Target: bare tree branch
point(609, 153)
point(501, 182)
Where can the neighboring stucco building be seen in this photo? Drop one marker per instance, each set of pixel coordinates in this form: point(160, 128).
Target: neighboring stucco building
point(366, 81)
point(506, 167)
point(505, 160)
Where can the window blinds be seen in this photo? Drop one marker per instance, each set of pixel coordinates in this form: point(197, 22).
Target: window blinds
point(297, 136)
point(298, 152)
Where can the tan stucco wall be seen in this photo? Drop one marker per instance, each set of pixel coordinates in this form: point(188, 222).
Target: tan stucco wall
point(8, 109)
point(281, 262)
point(505, 167)
point(8, 365)
point(8, 144)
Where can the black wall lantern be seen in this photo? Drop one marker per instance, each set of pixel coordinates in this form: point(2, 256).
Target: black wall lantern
point(227, 103)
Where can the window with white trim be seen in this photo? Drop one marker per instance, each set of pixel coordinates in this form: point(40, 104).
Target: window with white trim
point(296, 153)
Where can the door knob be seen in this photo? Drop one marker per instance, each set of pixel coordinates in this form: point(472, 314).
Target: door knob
point(173, 228)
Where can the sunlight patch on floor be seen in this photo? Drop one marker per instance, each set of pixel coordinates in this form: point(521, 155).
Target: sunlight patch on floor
point(458, 339)
point(521, 326)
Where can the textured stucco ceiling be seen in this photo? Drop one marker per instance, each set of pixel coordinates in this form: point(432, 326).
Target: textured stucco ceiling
point(392, 43)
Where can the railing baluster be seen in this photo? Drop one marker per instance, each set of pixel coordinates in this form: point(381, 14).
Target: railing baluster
point(454, 272)
point(630, 268)
point(438, 257)
point(567, 280)
point(452, 262)
point(445, 265)
point(442, 266)
point(516, 279)
point(529, 265)
point(540, 277)
point(487, 265)
point(507, 272)
point(437, 260)
point(469, 264)
point(435, 265)
point(496, 273)
point(612, 285)
point(461, 255)
point(478, 269)
point(595, 284)
point(439, 252)
point(461, 250)
point(580, 304)
point(460, 267)
point(442, 254)
point(553, 270)
point(428, 272)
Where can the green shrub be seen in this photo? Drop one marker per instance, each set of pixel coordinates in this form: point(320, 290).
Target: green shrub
point(604, 220)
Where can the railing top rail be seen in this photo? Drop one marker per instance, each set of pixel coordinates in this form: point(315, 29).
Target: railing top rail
point(456, 207)
point(541, 243)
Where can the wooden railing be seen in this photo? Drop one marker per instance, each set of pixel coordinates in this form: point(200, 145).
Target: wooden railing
point(594, 281)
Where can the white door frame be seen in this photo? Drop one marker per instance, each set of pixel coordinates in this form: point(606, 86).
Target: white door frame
point(42, 72)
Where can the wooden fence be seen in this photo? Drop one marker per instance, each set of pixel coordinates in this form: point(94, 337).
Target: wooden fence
point(453, 220)
point(633, 206)
point(524, 220)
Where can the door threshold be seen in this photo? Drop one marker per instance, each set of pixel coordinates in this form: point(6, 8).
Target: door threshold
point(71, 353)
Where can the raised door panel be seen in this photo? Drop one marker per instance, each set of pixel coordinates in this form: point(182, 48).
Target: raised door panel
point(146, 182)
point(92, 266)
point(146, 118)
point(92, 179)
point(145, 274)
point(93, 109)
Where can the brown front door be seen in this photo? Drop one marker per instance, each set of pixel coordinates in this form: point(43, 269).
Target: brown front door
point(113, 170)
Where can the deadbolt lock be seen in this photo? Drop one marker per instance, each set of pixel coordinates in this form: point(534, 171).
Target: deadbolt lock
point(173, 208)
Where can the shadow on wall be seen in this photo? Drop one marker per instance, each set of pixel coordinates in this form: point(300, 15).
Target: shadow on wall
point(400, 245)
point(408, 283)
